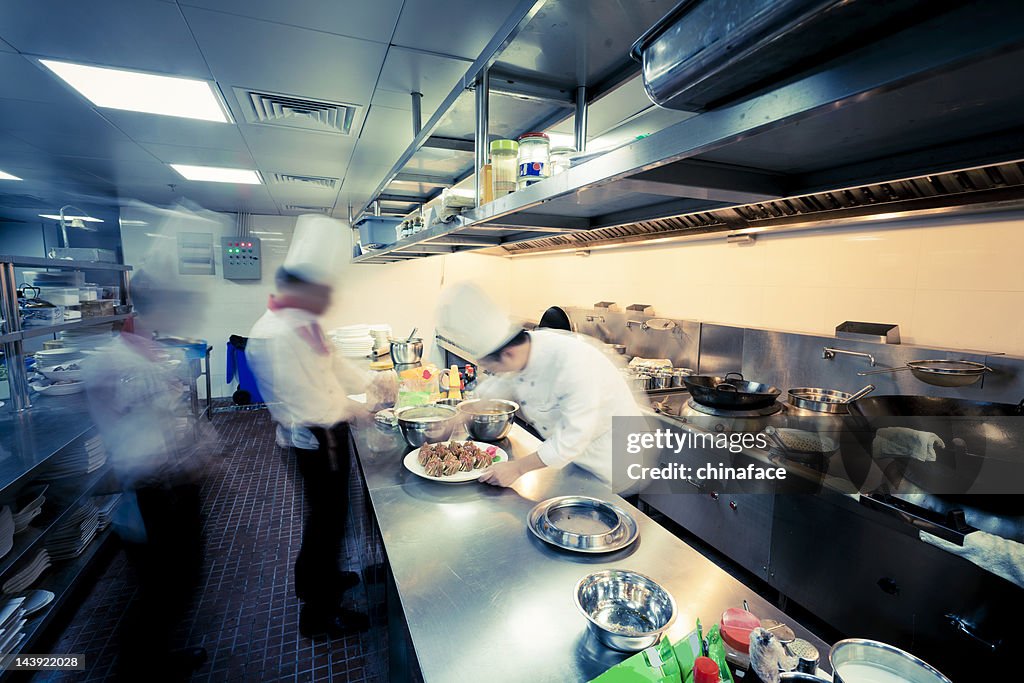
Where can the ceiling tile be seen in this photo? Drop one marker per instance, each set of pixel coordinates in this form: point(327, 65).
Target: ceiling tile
point(24, 80)
point(150, 36)
point(10, 144)
point(71, 131)
point(247, 53)
point(357, 18)
point(462, 29)
point(270, 141)
point(199, 156)
point(174, 130)
point(406, 71)
point(301, 166)
point(6, 47)
point(127, 172)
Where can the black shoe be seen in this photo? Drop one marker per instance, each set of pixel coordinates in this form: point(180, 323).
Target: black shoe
point(342, 622)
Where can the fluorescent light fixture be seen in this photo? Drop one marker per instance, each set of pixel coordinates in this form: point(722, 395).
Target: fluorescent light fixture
point(149, 93)
point(8, 176)
point(272, 239)
point(265, 232)
point(216, 174)
point(86, 219)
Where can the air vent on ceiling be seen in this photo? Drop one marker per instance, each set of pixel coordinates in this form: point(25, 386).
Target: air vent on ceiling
point(309, 181)
point(301, 208)
point(277, 109)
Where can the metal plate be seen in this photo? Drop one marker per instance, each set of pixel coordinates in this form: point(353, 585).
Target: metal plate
point(539, 521)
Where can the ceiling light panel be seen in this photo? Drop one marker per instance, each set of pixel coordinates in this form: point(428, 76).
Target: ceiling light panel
point(8, 176)
point(215, 174)
point(143, 92)
point(56, 217)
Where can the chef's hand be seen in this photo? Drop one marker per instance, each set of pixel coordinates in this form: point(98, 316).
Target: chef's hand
point(502, 474)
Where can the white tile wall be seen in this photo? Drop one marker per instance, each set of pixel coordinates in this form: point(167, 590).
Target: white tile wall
point(946, 282)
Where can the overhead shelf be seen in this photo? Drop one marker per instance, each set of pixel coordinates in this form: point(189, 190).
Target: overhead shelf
point(44, 330)
point(67, 264)
point(933, 98)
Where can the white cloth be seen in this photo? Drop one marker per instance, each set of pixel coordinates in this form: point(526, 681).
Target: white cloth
point(900, 442)
point(995, 554)
point(303, 385)
point(569, 391)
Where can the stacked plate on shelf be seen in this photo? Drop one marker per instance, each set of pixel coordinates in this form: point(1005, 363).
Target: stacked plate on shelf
point(6, 531)
point(353, 341)
point(27, 574)
point(28, 506)
point(12, 622)
point(87, 337)
point(74, 533)
point(76, 460)
point(106, 505)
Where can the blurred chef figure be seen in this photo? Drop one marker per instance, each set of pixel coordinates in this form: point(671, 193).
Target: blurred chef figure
point(139, 399)
point(566, 387)
point(306, 385)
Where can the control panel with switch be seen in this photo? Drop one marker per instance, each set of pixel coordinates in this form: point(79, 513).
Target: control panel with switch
point(241, 258)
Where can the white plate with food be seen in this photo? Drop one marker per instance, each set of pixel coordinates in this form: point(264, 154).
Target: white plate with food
point(453, 462)
point(67, 371)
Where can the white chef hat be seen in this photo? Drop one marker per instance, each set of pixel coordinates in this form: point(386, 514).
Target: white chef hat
point(315, 254)
point(467, 316)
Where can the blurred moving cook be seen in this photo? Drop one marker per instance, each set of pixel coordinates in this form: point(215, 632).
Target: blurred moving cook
point(567, 388)
point(306, 387)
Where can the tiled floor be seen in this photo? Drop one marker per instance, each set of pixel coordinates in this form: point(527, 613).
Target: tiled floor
point(246, 613)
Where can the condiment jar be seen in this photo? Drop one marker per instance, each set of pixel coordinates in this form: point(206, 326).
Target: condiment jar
point(560, 159)
point(534, 153)
point(504, 155)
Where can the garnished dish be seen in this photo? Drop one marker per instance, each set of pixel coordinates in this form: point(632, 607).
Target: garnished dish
point(453, 462)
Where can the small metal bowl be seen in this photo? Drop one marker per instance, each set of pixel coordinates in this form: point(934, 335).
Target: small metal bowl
point(627, 611)
point(453, 402)
point(426, 424)
point(406, 351)
point(582, 523)
point(488, 419)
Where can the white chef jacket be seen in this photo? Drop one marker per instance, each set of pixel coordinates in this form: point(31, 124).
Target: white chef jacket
point(569, 391)
point(302, 385)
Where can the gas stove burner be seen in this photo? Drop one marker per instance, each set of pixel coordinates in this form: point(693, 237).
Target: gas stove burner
point(721, 412)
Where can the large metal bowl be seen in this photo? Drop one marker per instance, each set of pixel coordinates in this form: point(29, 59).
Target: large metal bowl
point(627, 611)
point(488, 419)
point(406, 351)
point(426, 424)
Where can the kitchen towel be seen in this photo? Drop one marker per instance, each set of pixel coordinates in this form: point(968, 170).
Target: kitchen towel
point(900, 442)
point(995, 554)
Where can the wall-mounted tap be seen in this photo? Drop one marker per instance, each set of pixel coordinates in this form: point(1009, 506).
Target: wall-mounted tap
point(829, 354)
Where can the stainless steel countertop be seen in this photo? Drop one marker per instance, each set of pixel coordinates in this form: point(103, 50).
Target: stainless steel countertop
point(485, 600)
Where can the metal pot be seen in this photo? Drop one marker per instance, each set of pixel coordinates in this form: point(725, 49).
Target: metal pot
point(940, 373)
point(828, 401)
point(406, 351)
point(488, 419)
point(859, 656)
point(426, 424)
point(730, 393)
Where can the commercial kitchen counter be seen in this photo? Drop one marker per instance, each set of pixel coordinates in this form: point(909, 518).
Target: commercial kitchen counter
point(485, 600)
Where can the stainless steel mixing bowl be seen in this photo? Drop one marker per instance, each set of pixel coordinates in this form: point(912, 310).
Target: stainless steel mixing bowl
point(406, 351)
point(426, 424)
point(627, 611)
point(488, 419)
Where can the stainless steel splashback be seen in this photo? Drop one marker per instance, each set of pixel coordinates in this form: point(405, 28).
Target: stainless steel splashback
point(790, 359)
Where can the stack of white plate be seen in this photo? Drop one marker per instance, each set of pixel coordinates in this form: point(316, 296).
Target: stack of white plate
point(106, 505)
point(6, 531)
point(27, 574)
point(28, 506)
point(87, 337)
point(76, 460)
point(12, 621)
point(353, 341)
point(74, 534)
point(49, 357)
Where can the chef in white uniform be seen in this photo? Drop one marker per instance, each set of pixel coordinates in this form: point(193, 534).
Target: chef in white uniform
point(567, 388)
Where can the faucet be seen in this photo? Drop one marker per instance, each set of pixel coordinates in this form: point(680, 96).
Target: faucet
point(830, 354)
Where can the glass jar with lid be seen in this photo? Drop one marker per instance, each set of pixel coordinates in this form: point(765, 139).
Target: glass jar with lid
point(504, 154)
point(561, 159)
point(534, 153)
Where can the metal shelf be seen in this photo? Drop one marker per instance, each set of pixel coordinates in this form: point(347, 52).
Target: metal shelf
point(883, 112)
point(33, 262)
point(43, 330)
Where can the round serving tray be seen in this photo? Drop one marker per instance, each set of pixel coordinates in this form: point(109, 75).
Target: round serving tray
point(582, 524)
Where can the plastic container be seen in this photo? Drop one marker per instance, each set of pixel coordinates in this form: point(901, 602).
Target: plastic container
point(60, 296)
point(736, 626)
point(504, 157)
point(705, 670)
point(88, 293)
point(561, 159)
point(534, 159)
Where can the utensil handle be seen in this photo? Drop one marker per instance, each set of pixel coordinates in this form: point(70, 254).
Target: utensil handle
point(738, 374)
point(861, 394)
point(884, 370)
point(725, 387)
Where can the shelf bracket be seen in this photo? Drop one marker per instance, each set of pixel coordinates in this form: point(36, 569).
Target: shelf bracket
point(483, 88)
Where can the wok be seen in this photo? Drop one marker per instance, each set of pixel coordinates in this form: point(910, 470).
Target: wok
point(731, 392)
point(978, 433)
point(555, 318)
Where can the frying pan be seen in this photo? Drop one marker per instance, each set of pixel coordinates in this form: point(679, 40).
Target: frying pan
point(997, 443)
point(729, 392)
point(555, 318)
point(940, 373)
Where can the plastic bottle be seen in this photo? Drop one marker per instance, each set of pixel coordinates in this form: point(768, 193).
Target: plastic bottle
point(705, 671)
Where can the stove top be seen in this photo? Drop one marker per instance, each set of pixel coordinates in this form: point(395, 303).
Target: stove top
point(721, 412)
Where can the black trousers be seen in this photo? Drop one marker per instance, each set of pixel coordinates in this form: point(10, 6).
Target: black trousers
point(325, 474)
point(169, 567)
